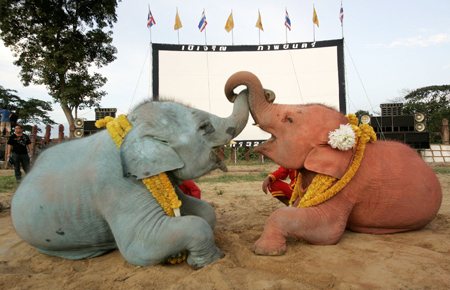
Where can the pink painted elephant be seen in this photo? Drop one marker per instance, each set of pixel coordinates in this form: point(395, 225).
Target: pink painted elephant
point(393, 190)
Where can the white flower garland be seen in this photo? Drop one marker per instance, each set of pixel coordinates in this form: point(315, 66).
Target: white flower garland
point(342, 138)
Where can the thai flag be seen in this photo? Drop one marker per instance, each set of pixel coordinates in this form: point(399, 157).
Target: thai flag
point(150, 19)
point(203, 22)
point(341, 15)
point(288, 21)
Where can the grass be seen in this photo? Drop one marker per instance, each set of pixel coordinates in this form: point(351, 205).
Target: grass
point(7, 183)
point(234, 178)
point(443, 170)
point(229, 163)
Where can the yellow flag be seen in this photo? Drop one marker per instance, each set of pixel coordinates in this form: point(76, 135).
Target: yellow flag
point(259, 22)
point(178, 24)
point(230, 23)
point(315, 19)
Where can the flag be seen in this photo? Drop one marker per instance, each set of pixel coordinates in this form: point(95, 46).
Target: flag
point(259, 22)
point(178, 24)
point(315, 19)
point(150, 19)
point(288, 21)
point(341, 15)
point(202, 23)
point(230, 23)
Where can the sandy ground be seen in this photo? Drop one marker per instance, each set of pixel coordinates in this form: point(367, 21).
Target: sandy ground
point(413, 260)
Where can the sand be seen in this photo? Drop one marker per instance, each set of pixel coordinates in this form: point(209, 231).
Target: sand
point(412, 260)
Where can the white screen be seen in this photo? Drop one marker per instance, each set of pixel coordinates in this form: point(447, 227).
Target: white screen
point(297, 73)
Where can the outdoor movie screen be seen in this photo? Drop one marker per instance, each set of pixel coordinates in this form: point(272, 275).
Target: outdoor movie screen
point(298, 73)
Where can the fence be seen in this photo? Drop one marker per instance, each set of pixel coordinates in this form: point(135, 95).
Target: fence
point(37, 140)
point(234, 154)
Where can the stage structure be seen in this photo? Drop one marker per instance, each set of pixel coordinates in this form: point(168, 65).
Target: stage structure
point(298, 73)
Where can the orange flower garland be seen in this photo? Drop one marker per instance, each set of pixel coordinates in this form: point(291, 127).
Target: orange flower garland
point(322, 188)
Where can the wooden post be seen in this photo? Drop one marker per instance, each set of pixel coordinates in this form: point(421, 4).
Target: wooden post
point(6, 151)
point(233, 154)
point(71, 131)
point(61, 133)
point(445, 137)
point(247, 154)
point(261, 158)
point(48, 130)
point(33, 142)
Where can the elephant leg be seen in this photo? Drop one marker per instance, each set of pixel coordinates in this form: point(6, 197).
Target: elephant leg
point(320, 225)
point(150, 243)
point(80, 253)
point(194, 206)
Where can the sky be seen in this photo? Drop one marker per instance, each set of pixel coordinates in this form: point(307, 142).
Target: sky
point(389, 46)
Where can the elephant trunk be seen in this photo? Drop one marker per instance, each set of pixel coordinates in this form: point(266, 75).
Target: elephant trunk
point(259, 100)
point(235, 123)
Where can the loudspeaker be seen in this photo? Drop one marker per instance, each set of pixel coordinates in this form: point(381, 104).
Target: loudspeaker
point(393, 124)
point(79, 123)
point(419, 120)
point(78, 133)
point(417, 140)
point(419, 117)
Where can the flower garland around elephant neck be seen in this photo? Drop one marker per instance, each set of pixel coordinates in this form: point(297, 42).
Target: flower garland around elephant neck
point(322, 189)
point(159, 185)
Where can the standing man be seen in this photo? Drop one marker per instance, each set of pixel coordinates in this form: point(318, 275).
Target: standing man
point(5, 121)
point(17, 146)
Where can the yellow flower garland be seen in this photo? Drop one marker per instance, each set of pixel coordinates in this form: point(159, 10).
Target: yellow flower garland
point(322, 189)
point(159, 185)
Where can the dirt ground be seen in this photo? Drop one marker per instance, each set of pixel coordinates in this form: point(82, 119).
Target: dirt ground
point(413, 260)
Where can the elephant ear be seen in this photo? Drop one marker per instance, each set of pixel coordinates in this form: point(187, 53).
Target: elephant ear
point(144, 155)
point(326, 160)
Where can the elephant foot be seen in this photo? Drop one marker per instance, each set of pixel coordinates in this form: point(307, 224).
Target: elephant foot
point(269, 248)
point(199, 262)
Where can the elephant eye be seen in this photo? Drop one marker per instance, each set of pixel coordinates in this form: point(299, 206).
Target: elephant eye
point(206, 127)
point(289, 119)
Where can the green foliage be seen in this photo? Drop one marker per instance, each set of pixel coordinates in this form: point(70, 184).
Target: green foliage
point(442, 170)
point(219, 191)
point(56, 42)
point(362, 113)
point(31, 112)
point(241, 156)
point(434, 103)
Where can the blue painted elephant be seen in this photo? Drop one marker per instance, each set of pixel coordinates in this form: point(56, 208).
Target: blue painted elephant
point(84, 198)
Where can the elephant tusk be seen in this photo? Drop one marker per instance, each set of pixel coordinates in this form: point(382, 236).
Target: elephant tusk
point(254, 124)
point(176, 211)
point(232, 142)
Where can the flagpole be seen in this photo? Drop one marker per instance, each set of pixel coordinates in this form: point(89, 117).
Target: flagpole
point(314, 29)
point(285, 27)
point(178, 31)
point(205, 26)
point(342, 23)
point(150, 26)
point(259, 29)
point(232, 35)
point(150, 83)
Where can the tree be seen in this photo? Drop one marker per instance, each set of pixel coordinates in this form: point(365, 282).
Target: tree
point(56, 41)
point(361, 113)
point(31, 112)
point(434, 103)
